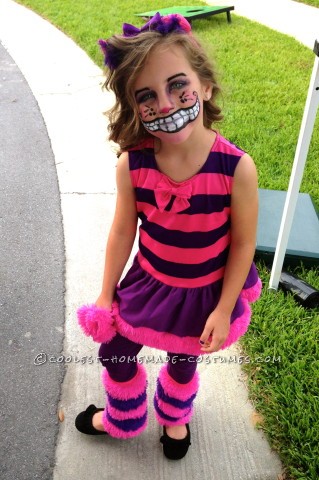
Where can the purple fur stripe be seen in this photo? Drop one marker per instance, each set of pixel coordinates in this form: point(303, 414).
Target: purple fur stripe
point(124, 405)
point(125, 414)
point(118, 429)
point(170, 409)
point(129, 424)
point(129, 414)
point(167, 420)
point(175, 402)
point(172, 418)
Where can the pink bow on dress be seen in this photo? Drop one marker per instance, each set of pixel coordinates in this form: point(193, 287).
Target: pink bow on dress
point(164, 192)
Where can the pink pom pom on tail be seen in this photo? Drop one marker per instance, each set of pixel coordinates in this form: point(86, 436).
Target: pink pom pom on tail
point(97, 322)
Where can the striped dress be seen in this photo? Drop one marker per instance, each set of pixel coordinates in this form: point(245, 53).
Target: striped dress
point(176, 278)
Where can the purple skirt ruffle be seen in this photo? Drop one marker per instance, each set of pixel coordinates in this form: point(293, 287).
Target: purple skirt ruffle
point(152, 313)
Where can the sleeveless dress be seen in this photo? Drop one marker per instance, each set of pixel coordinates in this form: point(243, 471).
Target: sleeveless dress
point(176, 278)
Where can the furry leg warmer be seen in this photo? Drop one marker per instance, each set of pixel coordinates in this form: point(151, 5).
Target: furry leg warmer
point(173, 401)
point(125, 415)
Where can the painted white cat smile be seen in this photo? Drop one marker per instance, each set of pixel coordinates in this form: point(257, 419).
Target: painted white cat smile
point(175, 122)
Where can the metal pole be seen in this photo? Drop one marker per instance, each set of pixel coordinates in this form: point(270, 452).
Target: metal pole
point(302, 148)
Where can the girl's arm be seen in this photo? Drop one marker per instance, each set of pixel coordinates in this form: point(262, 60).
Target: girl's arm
point(122, 233)
point(244, 213)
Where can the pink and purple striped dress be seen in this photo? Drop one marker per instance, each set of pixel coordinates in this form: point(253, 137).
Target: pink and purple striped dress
point(184, 237)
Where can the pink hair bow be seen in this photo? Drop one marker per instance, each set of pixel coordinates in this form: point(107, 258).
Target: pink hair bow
point(164, 192)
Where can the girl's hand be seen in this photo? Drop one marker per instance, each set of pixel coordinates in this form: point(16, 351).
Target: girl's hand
point(103, 302)
point(215, 332)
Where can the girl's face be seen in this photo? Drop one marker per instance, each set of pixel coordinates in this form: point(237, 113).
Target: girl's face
point(169, 96)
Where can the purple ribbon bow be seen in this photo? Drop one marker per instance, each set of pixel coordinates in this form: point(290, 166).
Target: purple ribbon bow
point(164, 25)
point(131, 31)
point(164, 191)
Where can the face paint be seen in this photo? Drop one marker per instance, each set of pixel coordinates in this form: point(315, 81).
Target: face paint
point(169, 97)
point(148, 112)
point(176, 121)
point(177, 92)
point(185, 97)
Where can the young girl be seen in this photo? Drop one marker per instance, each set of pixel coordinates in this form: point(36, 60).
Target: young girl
point(195, 194)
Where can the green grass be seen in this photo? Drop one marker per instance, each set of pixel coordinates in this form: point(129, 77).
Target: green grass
point(314, 3)
point(286, 392)
point(265, 77)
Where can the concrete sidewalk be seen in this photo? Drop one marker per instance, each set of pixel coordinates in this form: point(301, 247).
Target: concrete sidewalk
point(286, 16)
point(225, 444)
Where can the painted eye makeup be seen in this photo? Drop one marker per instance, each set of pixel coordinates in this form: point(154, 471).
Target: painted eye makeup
point(178, 85)
point(174, 82)
point(150, 95)
point(143, 97)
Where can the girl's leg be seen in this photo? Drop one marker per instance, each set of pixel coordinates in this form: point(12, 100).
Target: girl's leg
point(182, 367)
point(125, 383)
point(177, 386)
point(119, 357)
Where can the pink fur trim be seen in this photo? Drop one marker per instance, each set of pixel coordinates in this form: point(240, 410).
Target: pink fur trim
point(239, 327)
point(115, 432)
point(173, 343)
point(126, 390)
point(181, 391)
point(121, 415)
point(97, 322)
point(253, 293)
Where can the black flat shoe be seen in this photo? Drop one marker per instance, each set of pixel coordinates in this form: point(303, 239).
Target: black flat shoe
point(175, 449)
point(83, 421)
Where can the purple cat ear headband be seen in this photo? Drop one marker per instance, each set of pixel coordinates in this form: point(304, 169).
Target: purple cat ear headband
point(164, 25)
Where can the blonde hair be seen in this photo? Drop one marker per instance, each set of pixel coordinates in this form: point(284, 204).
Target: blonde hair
point(125, 127)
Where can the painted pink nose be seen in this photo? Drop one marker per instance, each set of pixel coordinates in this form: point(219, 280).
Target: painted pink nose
point(165, 109)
